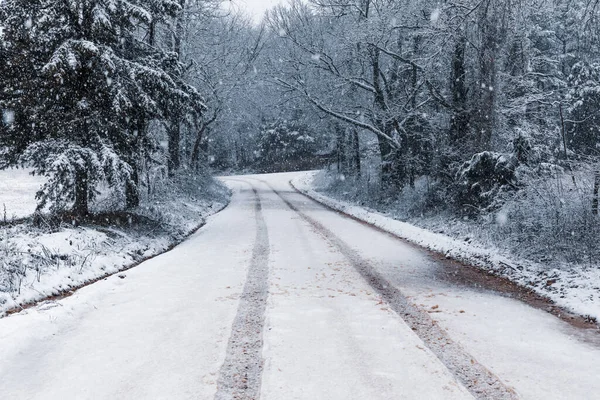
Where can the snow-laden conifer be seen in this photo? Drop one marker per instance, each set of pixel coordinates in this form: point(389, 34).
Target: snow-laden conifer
point(83, 82)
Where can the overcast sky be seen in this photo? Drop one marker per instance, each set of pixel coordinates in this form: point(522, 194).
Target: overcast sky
point(256, 8)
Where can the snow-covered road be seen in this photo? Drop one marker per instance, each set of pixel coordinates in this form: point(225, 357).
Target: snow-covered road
point(280, 298)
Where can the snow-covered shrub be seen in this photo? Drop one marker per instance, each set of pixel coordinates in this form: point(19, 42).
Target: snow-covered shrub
point(550, 219)
point(483, 182)
point(481, 179)
point(21, 259)
point(12, 267)
point(189, 193)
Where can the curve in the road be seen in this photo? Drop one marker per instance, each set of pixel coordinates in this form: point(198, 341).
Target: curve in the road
point(482, 383)
point(241, 372)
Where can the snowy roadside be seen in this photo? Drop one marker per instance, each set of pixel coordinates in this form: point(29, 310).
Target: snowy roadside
point(41, 262)
point(573, 288)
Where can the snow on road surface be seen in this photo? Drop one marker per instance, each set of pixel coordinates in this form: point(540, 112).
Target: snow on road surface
point(328, 336)
point(574, 288)
point(158, 333)
point(164, 330)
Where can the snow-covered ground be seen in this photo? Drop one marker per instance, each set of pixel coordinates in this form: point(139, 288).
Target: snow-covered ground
point(161, 329)
point(17, 193)
point(530, 350)
point(577, 289)
point(158, 331)
point(327, 334)
point(37, 262)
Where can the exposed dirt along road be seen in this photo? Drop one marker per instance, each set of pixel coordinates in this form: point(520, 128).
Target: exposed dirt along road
point(280, 298)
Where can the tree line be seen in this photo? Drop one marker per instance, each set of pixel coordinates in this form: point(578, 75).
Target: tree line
point(468, 93)
point(465, 92)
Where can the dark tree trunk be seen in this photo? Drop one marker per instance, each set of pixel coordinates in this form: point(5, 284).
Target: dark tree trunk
point(204, 146)
point(195, 158)
point(460, 120)
point(415, 71)
point(174, 139)
point(81, 206)
point(200, 142)
point(389, 156)
point(595, 195)
point(340, 149)
point(389, 170)
point(175, 126)
point(179, 31)
point(356, 152)
point(152, 33)
point(563, 132)
point(374, 54)
point(132, 193)
point(347, 151)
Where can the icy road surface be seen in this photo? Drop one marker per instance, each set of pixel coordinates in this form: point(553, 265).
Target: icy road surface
point(280, 298)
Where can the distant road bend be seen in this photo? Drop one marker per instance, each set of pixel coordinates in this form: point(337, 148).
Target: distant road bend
point(280, 298)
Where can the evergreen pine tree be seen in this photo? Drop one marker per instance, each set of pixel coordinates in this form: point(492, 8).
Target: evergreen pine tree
point(83, 85)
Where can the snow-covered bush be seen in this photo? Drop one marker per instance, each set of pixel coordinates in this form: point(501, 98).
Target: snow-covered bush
point(481, 179)
point(22, 259)
point(190, 193)
point(551, 219)
point(483, 182)
point(12, 266)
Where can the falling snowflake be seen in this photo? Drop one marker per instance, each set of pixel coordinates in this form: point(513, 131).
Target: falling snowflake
point(435, 15)
point(502, 218)
point(8, 117)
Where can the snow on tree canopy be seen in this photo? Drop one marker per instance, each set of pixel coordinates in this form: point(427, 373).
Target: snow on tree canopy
point(88, 83)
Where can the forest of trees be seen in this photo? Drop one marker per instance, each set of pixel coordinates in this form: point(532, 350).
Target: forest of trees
point(475, 95)
point(464, 92)
point(114, 92)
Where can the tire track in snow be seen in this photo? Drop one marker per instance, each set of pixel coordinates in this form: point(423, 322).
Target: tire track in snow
point(241, 372)
point(480, 382)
